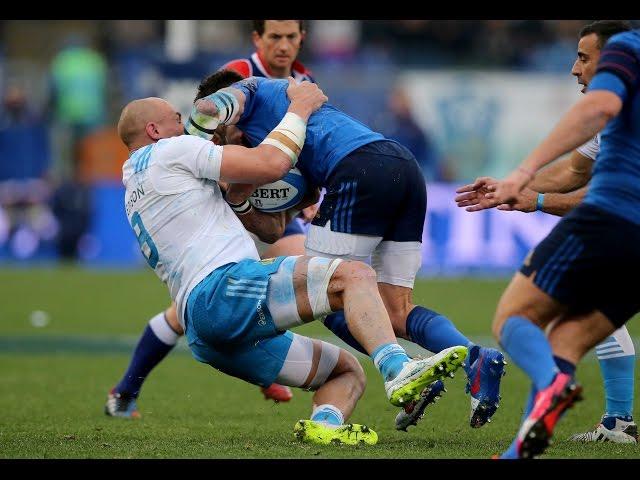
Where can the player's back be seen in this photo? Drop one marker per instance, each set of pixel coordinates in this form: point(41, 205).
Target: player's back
point(616, 174)
point(183, 225)
point(331, 133)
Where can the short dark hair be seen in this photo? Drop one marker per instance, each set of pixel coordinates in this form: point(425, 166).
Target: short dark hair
point(216, 81)
point(604, 29)
point(258, 26)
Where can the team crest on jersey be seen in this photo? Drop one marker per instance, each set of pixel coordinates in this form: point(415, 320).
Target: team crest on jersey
point(268, 261)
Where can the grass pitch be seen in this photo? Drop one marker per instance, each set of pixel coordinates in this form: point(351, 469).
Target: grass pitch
point(66, 335)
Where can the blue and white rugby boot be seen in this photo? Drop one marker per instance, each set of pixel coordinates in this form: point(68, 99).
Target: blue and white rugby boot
point(123, 406)
point(483, 384)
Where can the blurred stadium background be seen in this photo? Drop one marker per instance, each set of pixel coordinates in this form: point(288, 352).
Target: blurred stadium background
point(469, 98)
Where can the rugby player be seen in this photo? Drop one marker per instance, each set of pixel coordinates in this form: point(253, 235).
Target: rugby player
point(278, 44)
point(574, 282)
point(235, 309)
point(557, 189)
point(374, 208)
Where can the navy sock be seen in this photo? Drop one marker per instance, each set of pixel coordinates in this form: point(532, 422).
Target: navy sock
point(338, 325)
point(565, 366)
point(148, 353)
point(528, 347)
point(433, 331)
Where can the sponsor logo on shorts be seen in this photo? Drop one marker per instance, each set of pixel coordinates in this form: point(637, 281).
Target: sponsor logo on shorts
point(261, 316)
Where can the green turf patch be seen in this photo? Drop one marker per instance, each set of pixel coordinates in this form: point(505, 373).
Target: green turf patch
point(53, 395)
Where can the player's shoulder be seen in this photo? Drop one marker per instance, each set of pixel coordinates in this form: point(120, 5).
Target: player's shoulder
point(630, 38)
point(300, 72)
point(242, 66)
point(182, 144)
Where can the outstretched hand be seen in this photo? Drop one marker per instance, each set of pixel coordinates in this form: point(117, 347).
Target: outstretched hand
point(508, 190)
point(474, 195)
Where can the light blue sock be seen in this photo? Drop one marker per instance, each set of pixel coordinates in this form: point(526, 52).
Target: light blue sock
point(389, 358)
point(327, 414)
point(618, 375)
point(528, 347)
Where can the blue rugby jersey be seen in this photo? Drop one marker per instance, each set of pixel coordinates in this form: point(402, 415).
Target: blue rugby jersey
point(331, 133)
point(615, 185)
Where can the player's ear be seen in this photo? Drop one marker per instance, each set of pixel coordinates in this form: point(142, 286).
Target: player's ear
point(152, 130)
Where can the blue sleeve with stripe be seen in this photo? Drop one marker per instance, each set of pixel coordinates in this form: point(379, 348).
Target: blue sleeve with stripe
point(249, 87)
point(618, 70)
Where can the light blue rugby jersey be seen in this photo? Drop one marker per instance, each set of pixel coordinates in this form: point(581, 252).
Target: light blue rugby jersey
point(615, 186)
point(331, 134)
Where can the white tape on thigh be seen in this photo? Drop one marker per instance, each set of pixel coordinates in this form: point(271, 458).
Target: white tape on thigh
point(328, 360)
point(397, 263)
point(298, 367)
point(319, 272)
point(281, 298)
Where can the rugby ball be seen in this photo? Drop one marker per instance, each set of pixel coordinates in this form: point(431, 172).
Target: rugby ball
point(281, 194)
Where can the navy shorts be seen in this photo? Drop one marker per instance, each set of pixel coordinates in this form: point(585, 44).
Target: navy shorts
point(586, 261)
point(378, 189)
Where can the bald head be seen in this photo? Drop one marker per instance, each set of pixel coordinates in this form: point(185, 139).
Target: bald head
point(147, 120)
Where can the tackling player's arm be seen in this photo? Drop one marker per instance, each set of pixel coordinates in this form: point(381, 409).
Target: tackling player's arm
point(268, 226)
point(278, 153)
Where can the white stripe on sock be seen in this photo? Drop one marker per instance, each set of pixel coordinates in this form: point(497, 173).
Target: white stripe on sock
point(162, 330)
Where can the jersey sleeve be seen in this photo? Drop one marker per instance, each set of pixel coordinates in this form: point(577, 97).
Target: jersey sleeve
point(618, 70)
point(198, 156)
point(590, 149)
point(249, 87)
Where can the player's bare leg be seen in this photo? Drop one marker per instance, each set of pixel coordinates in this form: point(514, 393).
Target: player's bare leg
point(352, 287)
point(522, 314)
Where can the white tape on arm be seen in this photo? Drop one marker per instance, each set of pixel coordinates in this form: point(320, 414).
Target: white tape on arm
point(202, 123)
point(289, 136)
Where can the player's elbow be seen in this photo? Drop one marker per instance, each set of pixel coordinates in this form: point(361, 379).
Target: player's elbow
point(274, 230)
point(271, 237)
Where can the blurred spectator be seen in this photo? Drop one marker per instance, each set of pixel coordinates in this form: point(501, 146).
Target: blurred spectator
point(334, 40)
point(558, 53)
point(25, 218)
point(79, 77)
point(399, 124)
point(71, 204)
point(24, 146)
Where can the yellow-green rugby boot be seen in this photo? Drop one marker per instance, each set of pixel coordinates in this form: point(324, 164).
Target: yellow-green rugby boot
point(417, 374)
point(323, 434)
